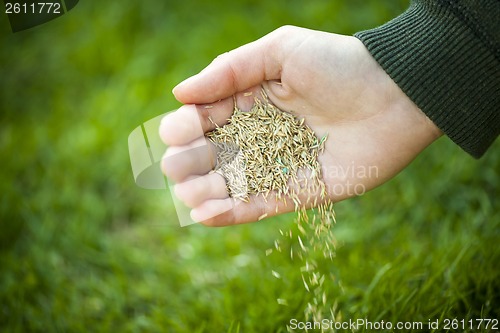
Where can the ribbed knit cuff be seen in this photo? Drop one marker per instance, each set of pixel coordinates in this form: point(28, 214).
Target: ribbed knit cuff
point(445, 68)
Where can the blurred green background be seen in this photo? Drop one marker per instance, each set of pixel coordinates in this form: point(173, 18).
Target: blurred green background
point(82, 249)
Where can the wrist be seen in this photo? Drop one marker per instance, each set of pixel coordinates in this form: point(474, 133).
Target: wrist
point(392, 99)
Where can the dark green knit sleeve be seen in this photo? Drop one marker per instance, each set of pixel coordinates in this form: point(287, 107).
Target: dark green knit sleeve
point(445, 56)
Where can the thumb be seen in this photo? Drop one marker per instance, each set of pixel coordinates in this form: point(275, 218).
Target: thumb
point(236, 70)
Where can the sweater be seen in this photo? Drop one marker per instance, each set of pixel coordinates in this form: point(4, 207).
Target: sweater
point(445, 56)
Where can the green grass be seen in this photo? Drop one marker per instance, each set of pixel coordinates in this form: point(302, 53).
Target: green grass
point(82, 249)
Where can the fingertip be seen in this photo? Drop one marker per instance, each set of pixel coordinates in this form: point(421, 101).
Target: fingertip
point(181, 126)
point(215, 213)
point(195, 215)
point(179, 91)
point(173, 129)
point(165, 166)
point(163, 129)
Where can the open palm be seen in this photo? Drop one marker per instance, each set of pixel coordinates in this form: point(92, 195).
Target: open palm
point(373, 129)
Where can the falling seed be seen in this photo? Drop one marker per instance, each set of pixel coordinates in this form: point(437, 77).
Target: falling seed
point(282, 301)
point(276, 274)
point(305, 283)
point(302, 244)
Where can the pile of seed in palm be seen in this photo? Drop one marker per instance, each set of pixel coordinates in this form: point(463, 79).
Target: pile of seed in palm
point(267, 151)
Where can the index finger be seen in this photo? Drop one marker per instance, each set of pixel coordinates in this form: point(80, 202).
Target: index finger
point(239, 69)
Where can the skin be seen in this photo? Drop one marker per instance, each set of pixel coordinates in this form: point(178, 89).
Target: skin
point(374, 130)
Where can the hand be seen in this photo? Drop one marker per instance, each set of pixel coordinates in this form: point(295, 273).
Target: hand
point(374, 129)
